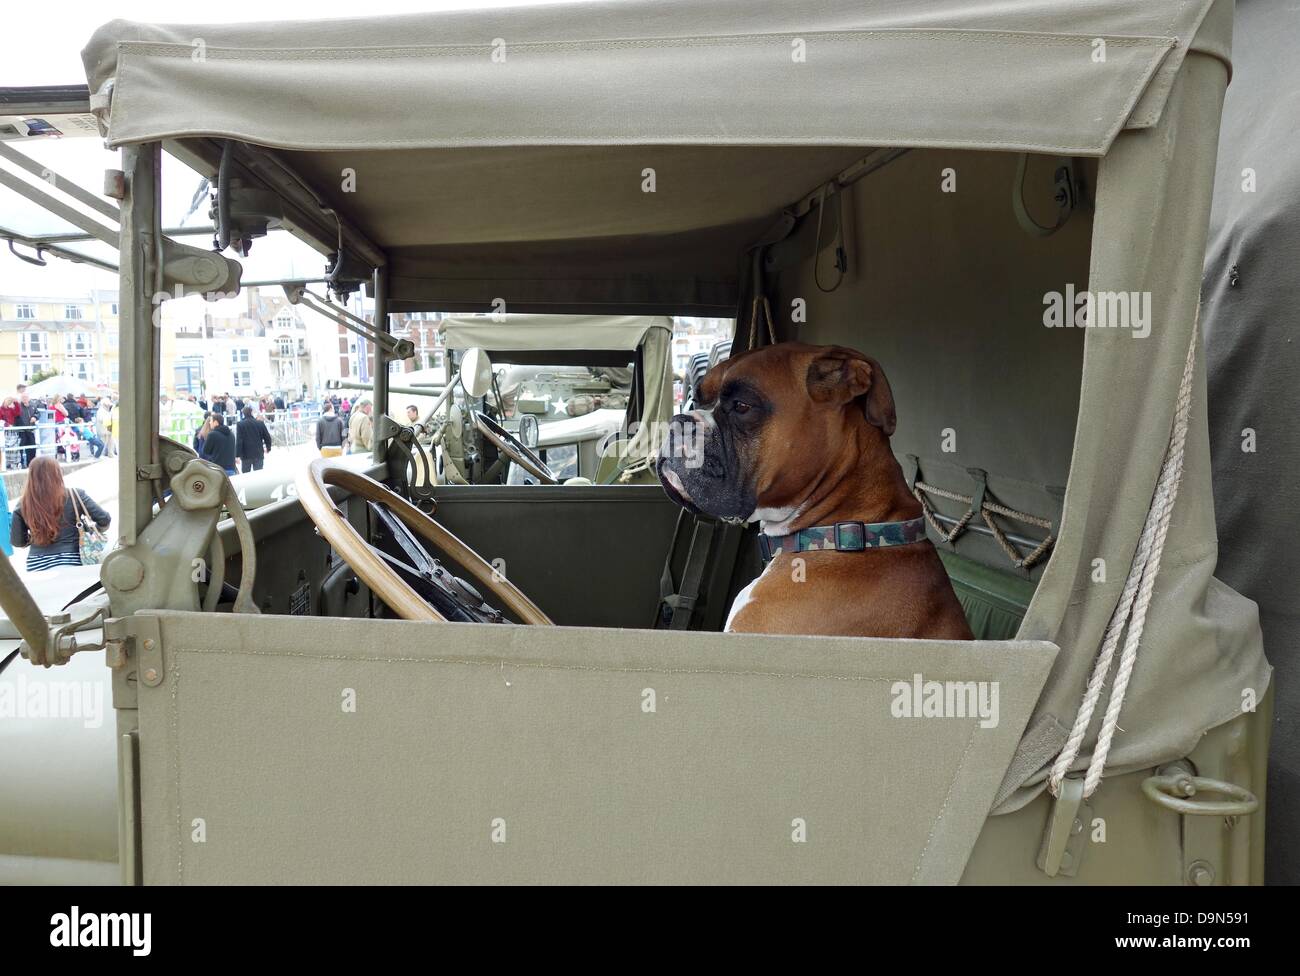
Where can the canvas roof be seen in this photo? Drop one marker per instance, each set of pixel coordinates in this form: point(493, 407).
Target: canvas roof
point(996, 74)
point(551, 332)
point(734, 110)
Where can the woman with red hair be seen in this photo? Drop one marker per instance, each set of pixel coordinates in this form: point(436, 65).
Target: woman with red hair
point(46, 517)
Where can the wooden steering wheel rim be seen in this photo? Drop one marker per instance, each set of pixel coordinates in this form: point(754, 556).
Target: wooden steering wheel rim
point(378, 574)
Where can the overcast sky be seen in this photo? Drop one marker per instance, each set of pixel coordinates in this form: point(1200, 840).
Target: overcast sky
point(43, 47)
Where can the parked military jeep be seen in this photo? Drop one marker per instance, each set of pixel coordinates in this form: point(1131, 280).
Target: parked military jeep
point(453, 665)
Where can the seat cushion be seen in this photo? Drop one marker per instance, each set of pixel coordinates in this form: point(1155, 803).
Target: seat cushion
point(994, 601)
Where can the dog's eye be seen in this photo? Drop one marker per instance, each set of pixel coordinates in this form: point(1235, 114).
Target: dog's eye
point(740, 406)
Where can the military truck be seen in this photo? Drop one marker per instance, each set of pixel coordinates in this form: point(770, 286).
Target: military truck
point(448, 686)
point(598, 391)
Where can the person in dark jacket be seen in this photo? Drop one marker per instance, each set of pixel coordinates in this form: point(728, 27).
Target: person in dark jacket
point(252, 441)
point(330, 433)
point(219, 445)
point(46, 517)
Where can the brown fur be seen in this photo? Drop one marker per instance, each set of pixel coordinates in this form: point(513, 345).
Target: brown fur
point(824, 452)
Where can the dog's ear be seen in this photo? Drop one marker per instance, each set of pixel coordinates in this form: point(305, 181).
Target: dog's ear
point(842, 375)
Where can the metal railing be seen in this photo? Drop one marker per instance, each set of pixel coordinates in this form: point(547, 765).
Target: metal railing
point(290, 428)
point(66, 440)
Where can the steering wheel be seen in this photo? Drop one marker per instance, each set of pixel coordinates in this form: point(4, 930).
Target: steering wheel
point(370, 564)
point(513, 448)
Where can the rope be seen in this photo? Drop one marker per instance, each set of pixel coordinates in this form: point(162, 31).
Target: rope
point(753, 321)
point(987, 510)
point(1136, 597)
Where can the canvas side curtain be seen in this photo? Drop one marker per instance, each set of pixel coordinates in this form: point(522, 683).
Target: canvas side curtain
point(1202, 645)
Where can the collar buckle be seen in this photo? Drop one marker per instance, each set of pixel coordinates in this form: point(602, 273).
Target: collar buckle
point(850, 536)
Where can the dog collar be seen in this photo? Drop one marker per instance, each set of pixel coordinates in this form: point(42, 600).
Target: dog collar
point(844, 536)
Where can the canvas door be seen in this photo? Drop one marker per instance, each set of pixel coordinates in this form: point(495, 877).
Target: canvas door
point(308, 750)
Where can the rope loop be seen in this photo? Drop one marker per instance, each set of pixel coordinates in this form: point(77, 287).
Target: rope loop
point(1133, 604)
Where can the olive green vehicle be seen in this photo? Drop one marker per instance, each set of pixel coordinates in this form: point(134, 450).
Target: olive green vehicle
point(327, 705)
point(598, 390)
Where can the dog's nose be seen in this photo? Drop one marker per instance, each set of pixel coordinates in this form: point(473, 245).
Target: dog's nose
point(678, 435)
point(685, 440)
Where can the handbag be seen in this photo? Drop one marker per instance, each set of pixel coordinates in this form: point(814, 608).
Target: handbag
point(90, 541)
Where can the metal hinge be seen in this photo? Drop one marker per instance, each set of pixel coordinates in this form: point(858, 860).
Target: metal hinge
point(133, 646)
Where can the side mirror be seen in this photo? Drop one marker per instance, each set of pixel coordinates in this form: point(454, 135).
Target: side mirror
point(476, 372)
point(529, 431)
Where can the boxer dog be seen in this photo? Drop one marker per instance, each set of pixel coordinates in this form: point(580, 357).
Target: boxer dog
point(797, 437)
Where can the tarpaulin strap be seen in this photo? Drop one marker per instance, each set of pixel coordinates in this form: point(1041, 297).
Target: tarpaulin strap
point(1133, 602)
point(677, 604)
point(986, 509)
point(911, 471)
point(781, 228)
point(753, 321)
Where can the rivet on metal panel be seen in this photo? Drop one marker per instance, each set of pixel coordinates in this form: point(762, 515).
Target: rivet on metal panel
point(1200, 873)
point(152, 666)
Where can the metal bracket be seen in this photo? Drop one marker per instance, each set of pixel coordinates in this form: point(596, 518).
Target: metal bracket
point(157, 572)
point(1065, 838)
point(390, 346)
point(408, 464)
point(202, 271)
point(61, 643)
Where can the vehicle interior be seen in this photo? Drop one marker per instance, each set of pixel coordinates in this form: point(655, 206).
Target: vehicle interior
point(618, 706)
point(883, 301)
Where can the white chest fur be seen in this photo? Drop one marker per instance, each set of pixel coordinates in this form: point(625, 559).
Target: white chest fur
point(745, 596)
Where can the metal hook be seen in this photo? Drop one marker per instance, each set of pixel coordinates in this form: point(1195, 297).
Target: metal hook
point(841, 258)
point(39, 260)
point(1065, 193)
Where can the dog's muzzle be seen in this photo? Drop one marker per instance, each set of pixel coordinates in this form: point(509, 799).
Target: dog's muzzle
point(694, 470)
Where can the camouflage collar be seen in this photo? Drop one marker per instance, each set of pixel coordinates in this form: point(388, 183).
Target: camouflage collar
point(844, 536)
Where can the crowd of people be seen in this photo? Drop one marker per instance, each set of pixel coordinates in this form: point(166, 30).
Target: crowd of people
point(72, 428)
point(235, 434)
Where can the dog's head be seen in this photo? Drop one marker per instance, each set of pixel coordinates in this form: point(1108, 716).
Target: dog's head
point(768, 423)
